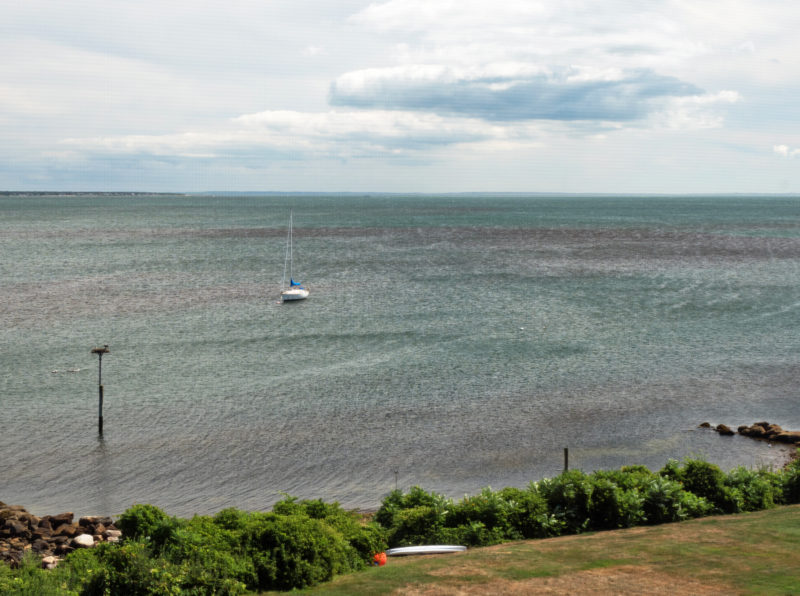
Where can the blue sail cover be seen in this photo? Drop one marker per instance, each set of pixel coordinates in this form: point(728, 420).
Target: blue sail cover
point(293, 283)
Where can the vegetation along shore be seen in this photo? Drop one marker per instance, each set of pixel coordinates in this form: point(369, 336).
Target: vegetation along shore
point(304, 543)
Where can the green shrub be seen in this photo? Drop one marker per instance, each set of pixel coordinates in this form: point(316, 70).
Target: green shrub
point(754, 488)
point(295, 551)
point(418, 525)
point(396, 501)
point(487, 516)
point(366, 539)
point(528, 515)
point(125, 569)
point(568, 498)
point(665, 501)
point(140, 521)
point(706, 480)
point(29, 579)
point(790, 481)
point(612, 507)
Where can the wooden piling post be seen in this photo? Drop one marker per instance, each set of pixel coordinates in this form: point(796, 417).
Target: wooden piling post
point(100, 352)
point(566, 458)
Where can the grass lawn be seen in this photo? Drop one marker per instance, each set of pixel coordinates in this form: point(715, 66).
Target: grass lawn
point(753, 553)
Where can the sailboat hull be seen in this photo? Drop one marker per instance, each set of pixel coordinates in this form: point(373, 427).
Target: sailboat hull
point(294, 294)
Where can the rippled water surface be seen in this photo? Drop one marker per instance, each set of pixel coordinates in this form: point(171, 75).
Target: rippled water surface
point(451, 342)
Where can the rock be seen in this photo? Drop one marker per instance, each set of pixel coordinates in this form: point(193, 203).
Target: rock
point(41, 534)
point(60, 519)
point(93, 520)
point(17, 528)
point(724, 430)
point(83, 541)
point(40, 546)
point(63, 550)
point(112, 533)
point(70, 530)
point(787, 437)
point(49, 562)
point(772, 430)
point(705, 425)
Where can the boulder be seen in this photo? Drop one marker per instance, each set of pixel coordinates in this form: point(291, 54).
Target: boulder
point(705, 425)
point(49, 562)
point(70, 530)
point(93, 520)
point(40, 545)
point(787, 437)
point(724, 430)
point(60, 519)
point(83, 541)
point(41, 534)
point(17, 528)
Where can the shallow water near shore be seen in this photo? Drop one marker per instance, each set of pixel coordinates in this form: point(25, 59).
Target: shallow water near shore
point(453, 342)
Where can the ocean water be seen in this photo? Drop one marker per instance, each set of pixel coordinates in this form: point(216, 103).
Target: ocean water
point(454, 342)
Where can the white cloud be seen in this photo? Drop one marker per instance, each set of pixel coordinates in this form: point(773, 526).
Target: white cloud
point(785, 151)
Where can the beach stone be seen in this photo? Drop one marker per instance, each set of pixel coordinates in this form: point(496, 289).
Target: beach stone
point(724, 430)
point(44, 522)
point(772, 430)
point(49, 562)
point(705, 425)
point(92, 520)
point(41, 534)
point(61, 519)
point(83, 541)
point(40, 545)
point(787, 437)
point(17, 528)
point(63, 550)
point(112, 533)
point(70, 530)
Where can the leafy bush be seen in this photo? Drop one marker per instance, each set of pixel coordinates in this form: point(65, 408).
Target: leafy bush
point(367, 539)
point(568, 497)
point(487, 516)
point(528, 514)
point(125, 569)
point(295, 551)
point(141, 521)
point(665, 501)
point(754, 488)
point(790, 481)
point(706, 480)
point(613, 507)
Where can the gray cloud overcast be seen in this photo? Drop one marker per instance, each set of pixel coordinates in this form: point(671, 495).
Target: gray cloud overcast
point(563, 95)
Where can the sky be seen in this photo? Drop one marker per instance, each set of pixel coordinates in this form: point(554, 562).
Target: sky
point(424, 96)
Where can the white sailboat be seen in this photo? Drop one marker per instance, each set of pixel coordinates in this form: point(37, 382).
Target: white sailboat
point(294, 291)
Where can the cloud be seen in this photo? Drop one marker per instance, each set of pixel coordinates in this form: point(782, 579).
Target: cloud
point(785, 151)
point(503, 92)
point(287, 134)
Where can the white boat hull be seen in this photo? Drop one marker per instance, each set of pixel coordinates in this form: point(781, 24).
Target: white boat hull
point(294, 294)
point(428, 549)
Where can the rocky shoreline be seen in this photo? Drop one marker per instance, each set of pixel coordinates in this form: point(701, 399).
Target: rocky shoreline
point(52, 537)
point(764, 431)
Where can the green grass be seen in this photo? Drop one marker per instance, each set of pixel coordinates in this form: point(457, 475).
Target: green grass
point(752, 553)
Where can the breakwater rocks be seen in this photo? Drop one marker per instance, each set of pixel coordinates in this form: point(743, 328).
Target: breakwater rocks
point(760, 430)
point(52, 536)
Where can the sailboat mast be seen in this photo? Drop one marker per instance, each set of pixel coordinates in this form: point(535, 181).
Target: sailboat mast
point(288, 255)
point(291, 242)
